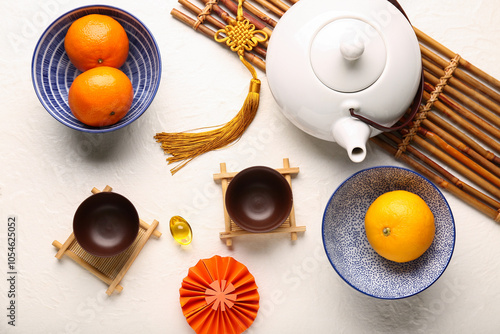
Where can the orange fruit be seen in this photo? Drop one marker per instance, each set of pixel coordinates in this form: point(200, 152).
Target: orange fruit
point(100, 96)
point(96, 40)
point(400, 226)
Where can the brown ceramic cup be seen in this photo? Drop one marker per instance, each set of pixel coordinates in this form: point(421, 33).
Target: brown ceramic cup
point(106, 224)
point(259, 199)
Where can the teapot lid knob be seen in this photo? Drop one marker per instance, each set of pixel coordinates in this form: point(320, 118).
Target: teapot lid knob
point(352, 50)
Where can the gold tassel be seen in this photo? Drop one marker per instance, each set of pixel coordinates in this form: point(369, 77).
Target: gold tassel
point(187, 146)
point(183, 147)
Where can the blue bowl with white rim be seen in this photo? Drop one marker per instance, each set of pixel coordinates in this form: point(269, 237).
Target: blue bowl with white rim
point(53, 73)
point(352, 256)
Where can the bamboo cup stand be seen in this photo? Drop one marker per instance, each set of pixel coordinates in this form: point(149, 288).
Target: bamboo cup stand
point(232, 230)
point(110, 270)
point(458, 123)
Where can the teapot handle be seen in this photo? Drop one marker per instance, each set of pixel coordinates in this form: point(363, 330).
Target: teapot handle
point(416, 101)
point(414, 108)
point(398, 6)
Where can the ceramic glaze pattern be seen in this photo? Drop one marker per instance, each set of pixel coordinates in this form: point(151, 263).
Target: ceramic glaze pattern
point(352, 256)
point(53, 72)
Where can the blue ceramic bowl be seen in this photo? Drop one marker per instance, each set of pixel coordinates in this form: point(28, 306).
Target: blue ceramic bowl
point(352, 256)
point(52, 72)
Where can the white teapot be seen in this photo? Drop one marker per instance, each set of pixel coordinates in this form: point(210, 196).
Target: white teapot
point(345, 71)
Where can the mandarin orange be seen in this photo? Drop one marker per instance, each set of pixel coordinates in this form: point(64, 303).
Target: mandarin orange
point(100, 96)
point(96, 40)
point(400, 226)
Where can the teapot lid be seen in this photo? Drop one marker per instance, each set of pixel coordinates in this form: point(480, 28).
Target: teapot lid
point(348, 54)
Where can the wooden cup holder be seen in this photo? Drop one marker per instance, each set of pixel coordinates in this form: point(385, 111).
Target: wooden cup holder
point(110, 270)
point(232, 230)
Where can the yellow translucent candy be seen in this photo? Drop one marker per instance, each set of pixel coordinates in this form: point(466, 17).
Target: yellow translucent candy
point(180, 230)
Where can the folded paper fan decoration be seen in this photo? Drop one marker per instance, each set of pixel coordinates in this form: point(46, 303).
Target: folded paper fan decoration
point(219, 295)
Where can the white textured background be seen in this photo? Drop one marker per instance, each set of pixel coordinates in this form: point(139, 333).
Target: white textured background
point(47, 169)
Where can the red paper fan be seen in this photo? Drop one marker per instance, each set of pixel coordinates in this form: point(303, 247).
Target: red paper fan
point(219, 295)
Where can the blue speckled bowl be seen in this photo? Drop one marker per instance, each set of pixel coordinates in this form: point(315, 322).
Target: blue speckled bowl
point(52, 72)
point(353, 257)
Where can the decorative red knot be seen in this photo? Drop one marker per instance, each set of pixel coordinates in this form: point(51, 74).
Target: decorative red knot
point(220, 295)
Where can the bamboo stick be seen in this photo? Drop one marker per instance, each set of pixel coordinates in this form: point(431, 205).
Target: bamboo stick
point(449, 54)
point(466, 115)
point(291, 216)
point(218, 24)
point(461, 75)
point(144, 225)
point(280, 4)
point(466, 101)
point(461, 87)
point(270, 7)
point(281, 229)
point(65, 246)
point(254, 60)
point(485, 209)
point(459, 167)
point(227, 219)
point(229, 175)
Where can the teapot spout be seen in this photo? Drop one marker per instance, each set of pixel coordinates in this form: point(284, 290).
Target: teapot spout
point(352, 134)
